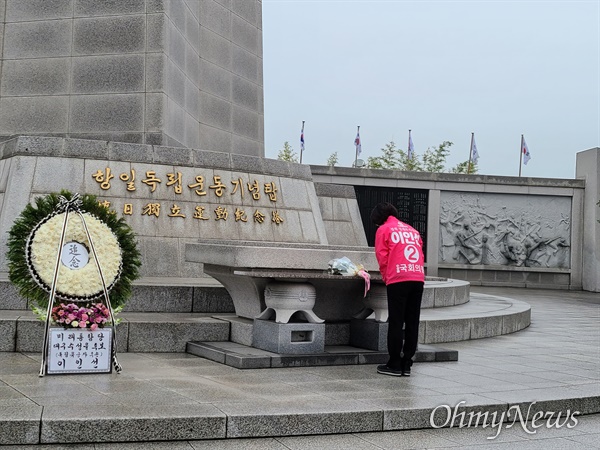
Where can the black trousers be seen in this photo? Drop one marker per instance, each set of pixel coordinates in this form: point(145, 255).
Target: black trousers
point(404, 309)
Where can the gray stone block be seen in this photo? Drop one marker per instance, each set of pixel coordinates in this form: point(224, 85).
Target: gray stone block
point(103, 35)
point(130, 152)
point(482, 327)
point(47, 76)
point(337, 333)
point(246, 94)
point(214, 80)
point(156, 32)
point(299, 418)
point(246, 65)
point(8, 332)
point(160, 299)
point(212, 138)
point(216, 16)
point(157, 422)
point(95, 113)
point(30, 10)
point(10, 297)
point(156, 113)
point(20, 424)
point(192, 105)
point(87, 8)
point(515, 322)
point(289, 338)
point(335, 190)
point(165, 336)
point(87, 149)
point(108, 74)
point(245, 163)
point(245, 123)
point(213, 300)
point(428, 298)
point(247, 146)
point(48, 114)
point(369, 334)
point(245, 34)
point(241, 330)
point(172, 155)
point(245, 362)
point(215, 112)
point(320, 359)
point(30, 334)
point(215, 48)
point(39, 39)
point(207, 351)
point(59, 173)
point(176, 46)
point(447, 331)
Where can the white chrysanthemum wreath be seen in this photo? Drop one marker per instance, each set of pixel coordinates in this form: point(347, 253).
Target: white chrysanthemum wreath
point(78, 274)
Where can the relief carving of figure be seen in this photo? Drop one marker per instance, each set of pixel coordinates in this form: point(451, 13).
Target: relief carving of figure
point(525, 235)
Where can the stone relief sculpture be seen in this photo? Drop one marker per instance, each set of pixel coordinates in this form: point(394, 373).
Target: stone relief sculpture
point(503, 229)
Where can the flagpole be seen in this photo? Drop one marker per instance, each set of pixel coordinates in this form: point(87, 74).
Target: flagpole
point(521, 155)
point(409, 144)
point(302, 143)
point(470, 154)
point(357, 135)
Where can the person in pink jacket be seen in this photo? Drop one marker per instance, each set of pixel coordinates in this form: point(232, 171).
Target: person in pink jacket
point(399, 252)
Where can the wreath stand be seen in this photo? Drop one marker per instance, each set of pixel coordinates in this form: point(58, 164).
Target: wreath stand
point(68, 207)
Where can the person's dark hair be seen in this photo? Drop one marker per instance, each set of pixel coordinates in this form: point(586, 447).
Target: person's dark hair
point(381, 212)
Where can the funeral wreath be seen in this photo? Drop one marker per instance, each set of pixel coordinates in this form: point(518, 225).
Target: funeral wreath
point(33, 255)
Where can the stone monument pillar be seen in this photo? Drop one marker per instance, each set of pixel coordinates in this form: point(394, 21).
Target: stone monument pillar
point(179, 73)
point(588, 167)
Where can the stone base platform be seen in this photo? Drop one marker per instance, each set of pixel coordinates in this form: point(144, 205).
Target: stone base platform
point(243, 357)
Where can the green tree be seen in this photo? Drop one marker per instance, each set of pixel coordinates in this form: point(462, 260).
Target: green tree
point(333, 159)
point(287, 153)
point(435, 158)
point(392, 158)
point(463, 166)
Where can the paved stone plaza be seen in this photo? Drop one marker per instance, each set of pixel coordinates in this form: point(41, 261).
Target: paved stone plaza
point(555, 363)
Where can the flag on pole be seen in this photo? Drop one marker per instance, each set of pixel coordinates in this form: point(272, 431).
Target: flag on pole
point(411, 147)
point(357, 142)
point(474, 152)
point(526, 155)
point(302, 138)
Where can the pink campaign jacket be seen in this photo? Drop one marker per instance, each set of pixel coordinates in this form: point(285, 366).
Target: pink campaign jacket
point(399, 252)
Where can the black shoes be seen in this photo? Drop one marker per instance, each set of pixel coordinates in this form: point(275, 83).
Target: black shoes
point(385, 370)
point(405, 367)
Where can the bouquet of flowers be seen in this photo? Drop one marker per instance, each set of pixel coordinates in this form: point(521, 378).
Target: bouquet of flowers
point(70, 315)
point(343, 266)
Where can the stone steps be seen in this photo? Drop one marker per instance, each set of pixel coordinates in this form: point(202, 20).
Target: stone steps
point(484, 316)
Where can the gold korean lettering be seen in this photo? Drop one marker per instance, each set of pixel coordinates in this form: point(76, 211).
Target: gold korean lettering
point(240, 215)
point(221, 213)
point(254, 189)
point(258, 216)
point(174, 179)
point(199, 213)
point(151, 180)
point(176, 211)
point(276, 218)
point(271, 191)
point(198, 184)
point(218, 186)
point(129, 179)
point(239, 184)
point(103, 178)
point(104, 203)
point(151, 209)
point(128, 209)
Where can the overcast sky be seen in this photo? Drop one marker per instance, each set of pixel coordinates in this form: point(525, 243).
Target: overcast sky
point(443, 69)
